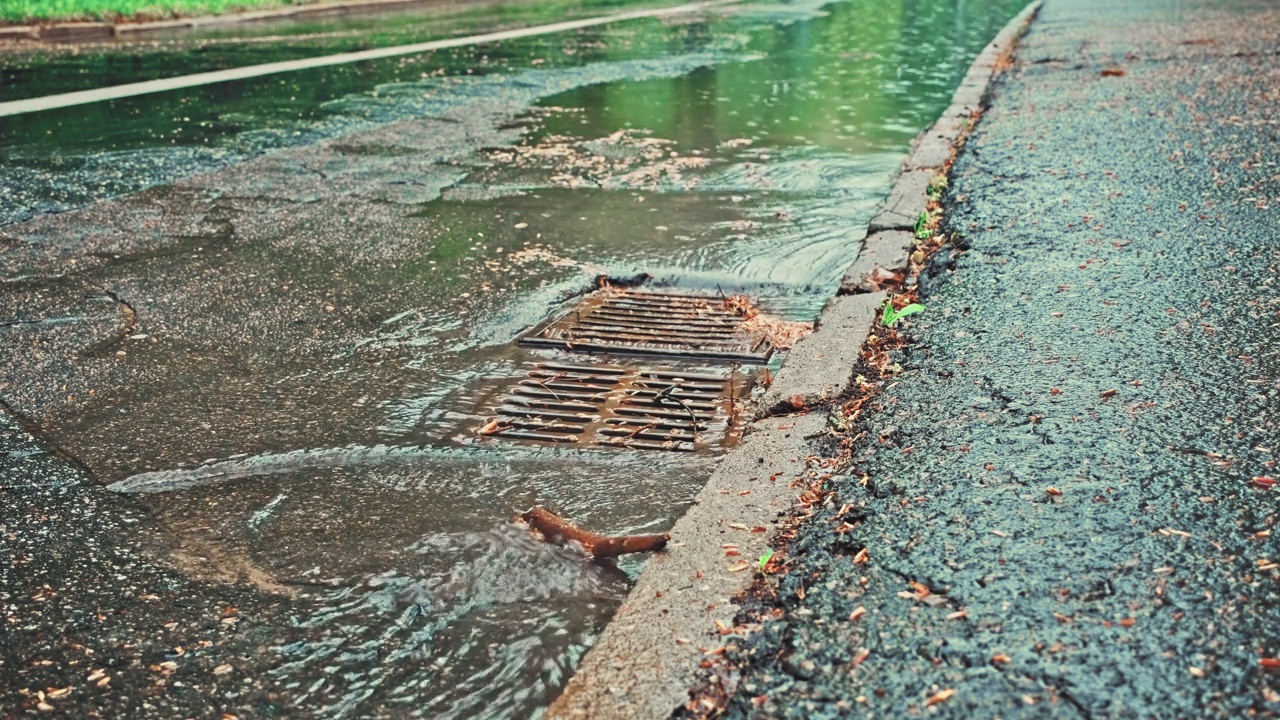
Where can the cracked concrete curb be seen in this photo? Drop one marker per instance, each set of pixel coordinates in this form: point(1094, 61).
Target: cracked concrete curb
point(890, 234)
point(76, 32)
point(819, 368)
point(647, 658)
point(881, 263)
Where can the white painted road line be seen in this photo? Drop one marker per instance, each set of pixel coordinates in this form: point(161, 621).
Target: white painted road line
point(83, 97)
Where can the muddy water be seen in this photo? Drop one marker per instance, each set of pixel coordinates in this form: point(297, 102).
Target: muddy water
point(320, 297)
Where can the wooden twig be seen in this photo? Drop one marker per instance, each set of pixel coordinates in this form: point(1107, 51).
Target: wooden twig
point(733, 405)
point(556, 529)
point(641, 429)
point(554, 378)
point(665, 394)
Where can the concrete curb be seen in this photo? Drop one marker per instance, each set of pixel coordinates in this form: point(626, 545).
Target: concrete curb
point(887, 247)
point(16, 33)
point(647, 658)
point(678, 614)
point(75, 32)
point(818, 369)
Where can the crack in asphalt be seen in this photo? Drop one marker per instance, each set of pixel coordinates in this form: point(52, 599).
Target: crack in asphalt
point(129, 327)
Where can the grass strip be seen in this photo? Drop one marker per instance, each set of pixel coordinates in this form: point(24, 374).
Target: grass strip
point(31, 11)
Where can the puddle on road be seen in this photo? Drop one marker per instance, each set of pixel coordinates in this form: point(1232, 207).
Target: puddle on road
point(322, 329)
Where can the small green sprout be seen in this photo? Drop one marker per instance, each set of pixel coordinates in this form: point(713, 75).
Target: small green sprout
point(892, 316)
point(764, 559)
point(922, 227)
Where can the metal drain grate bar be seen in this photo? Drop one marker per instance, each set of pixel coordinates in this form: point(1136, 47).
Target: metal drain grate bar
point(626, 407)
point(653, 323)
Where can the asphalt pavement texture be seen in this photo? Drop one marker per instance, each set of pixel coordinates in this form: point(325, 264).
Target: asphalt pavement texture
point(1066, 461)
point(94, 627)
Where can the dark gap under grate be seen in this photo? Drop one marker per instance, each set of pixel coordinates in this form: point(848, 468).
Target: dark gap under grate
point(626, 407)
point(653, 323)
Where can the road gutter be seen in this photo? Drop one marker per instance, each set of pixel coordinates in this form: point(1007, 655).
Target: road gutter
point(678, 617)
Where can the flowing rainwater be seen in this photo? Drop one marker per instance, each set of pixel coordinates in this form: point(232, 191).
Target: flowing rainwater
point(322, 275)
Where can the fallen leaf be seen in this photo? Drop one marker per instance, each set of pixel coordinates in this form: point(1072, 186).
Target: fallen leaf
point(739, 566)
point(1054, 491)
point(1112, 72)
point(491, 427)
point(939, 697)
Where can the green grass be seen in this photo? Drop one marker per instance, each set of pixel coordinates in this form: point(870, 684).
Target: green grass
point(892, 316)
point(23, 11)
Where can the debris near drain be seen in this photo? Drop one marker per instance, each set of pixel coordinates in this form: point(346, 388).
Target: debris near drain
point(556, 529)
point(781, 334)
point(622, 320)
point(613, 281)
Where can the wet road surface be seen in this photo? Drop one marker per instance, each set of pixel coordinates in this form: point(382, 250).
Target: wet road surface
point(1066, 462)
point(270, 317)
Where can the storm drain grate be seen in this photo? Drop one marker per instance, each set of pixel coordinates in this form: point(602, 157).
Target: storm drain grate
point(627, 407)
point(653, 323)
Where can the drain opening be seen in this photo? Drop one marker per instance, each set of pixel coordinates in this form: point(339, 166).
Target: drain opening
point(653, 323)
point(622, 406)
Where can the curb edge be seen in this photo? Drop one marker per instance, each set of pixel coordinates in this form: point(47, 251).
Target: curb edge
point(932, 151)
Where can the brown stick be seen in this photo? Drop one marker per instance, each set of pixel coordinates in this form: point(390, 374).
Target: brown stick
point(558, 530)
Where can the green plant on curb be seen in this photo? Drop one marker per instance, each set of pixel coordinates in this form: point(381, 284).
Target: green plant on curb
point(937, 186)
point(764, 559)
point(922, 230)
point(892, 316)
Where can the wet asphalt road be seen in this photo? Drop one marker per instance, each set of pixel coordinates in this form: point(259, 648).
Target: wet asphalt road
point(1066, 459)
point(89, 614)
